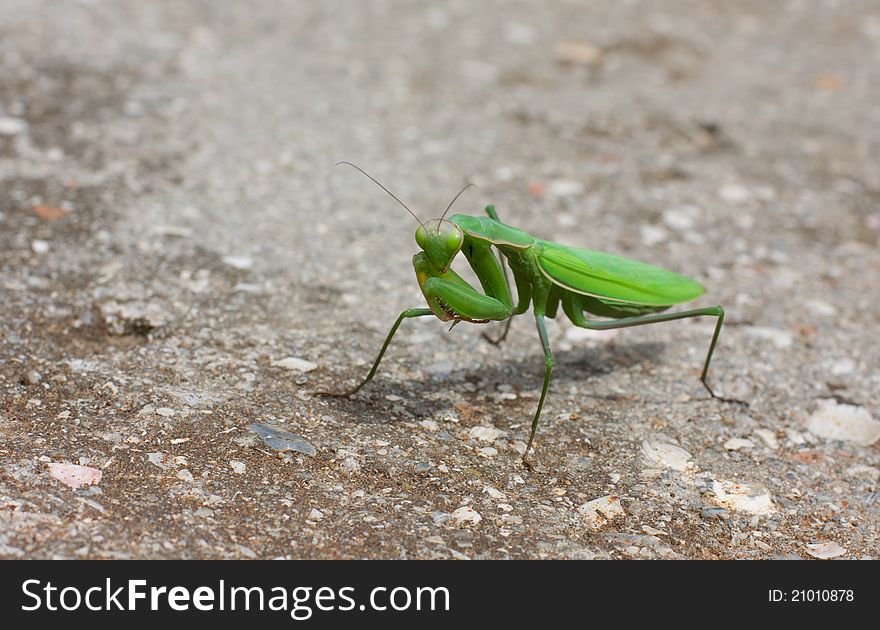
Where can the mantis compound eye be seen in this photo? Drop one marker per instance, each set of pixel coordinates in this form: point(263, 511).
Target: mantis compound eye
point(421, 237)
point(454, 239)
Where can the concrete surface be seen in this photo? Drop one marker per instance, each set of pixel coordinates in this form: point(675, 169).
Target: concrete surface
point(172, 226)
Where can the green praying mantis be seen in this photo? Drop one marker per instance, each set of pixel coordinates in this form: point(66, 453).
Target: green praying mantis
point(546, 274)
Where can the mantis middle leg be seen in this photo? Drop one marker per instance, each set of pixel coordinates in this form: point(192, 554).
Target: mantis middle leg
point(548, 368)
point(523, 292)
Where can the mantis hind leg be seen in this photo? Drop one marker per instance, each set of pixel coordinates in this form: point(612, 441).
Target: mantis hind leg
point(548, 368)
point(576, 316)
point(497, 341)
point(413, 312)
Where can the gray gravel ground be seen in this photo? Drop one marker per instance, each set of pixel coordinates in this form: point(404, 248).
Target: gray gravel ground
point(172, 227)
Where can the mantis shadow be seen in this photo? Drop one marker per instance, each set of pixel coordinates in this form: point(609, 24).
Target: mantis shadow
point(572, 367)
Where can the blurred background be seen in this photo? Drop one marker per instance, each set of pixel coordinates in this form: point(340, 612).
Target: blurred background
point(171, 224)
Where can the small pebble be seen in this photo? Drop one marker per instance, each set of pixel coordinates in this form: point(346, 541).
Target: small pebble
point(666, 455)
point(492, 492)
point(34, 377)
point(768, 437)
point(578, 53)
point(487, 451)
point(600, 512)
point(316, 515)
point(238, 468)
point(296, 364)
point(653, 235)
point(780, 338)
point(825, 551)
point(745, 497)
point(485, 433)
point(565, 188)
point(157, 459)
point(239, 262)
point(864, 472)
point(842, 367)
point(848, 423)
point(734, 444)
point(734, 193)
point(681, 219)
point(11, 126)
point(281, 440)
point(50, 213)
point(39, 246)
point(465, 515)
point(74, 475)
point(821, 308)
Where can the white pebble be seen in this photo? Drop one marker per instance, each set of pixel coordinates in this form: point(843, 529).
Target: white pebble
point(75, 476)
point(565, 188)
point(520, 34)
point(350, 464)
point(823, 309)
point(745, 497)
point(185, 475)
point(296, 364)
point(734, 444)
point(239, 262)
point(825, 551)
point(681, 219)
point(487, 451)
point(238, 468)
point(466, 514)
point(495, 494)
point(40, 246)
point(834, 421)
point(11, 126)
point(780, 338)
point(485, 433)
point(734, 193)
point(653, 235)
point(599, 512)
point(865, 472)
point(768, 437)
point(316, 515)
point(666, 455)
point(795, 437)
point(576, 335)
point(843, 366)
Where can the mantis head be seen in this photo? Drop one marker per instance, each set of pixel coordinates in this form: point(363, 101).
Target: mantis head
point(441, 240)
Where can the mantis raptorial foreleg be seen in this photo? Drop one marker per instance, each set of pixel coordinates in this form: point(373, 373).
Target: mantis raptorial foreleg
point(456, 299)
point(577, 318)
point(462, 301)
point(413, 312)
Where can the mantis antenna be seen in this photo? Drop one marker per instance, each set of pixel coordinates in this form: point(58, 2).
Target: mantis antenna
point(453, 201)
point(379, 184)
